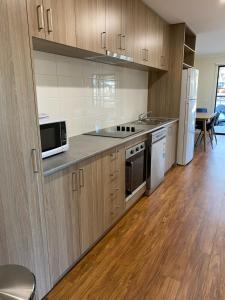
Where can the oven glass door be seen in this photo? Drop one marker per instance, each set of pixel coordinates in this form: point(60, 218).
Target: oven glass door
point(135, 172)
point(50, 136)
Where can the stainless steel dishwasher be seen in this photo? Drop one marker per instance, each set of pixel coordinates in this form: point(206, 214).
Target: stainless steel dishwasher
point(155, 162)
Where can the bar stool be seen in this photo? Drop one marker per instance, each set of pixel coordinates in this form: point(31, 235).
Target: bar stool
point(16, 282)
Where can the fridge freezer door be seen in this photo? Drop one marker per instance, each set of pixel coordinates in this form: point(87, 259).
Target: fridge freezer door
point(192, 92)
point(189, 132)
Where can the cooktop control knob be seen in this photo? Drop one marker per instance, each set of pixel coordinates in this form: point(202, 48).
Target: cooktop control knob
point(118, 128)
point(131, 151)
point(133, 129)
point(137, 149)
point(142, 146)
point(123, 128)
point(128, 128)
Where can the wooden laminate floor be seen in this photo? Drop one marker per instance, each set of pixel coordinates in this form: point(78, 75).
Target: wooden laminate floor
point(169, 246)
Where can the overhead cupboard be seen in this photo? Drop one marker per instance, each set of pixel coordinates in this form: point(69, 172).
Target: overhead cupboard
point(125, 27)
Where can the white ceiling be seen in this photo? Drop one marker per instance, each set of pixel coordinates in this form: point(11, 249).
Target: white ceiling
point(205, 17)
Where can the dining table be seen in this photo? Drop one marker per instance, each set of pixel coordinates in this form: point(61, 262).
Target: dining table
point(204, 117)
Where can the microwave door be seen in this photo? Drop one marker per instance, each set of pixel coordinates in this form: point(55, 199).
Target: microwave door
point(50, 136)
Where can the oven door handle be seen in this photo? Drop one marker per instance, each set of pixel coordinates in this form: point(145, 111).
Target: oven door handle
point(130, 164)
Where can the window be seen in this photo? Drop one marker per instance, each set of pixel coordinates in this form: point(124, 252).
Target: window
point(220, 94)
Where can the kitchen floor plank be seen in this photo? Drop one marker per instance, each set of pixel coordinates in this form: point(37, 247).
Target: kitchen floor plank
point(169, 246)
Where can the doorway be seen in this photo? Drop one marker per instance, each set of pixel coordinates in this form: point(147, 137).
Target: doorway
point(220, 100)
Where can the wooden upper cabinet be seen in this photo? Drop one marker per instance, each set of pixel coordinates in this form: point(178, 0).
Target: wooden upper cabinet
point(113, 25)
point(36, 20)
point(127, 28)
point(140, 20)
point(165, 46)
point(91, 25)
point(53, 20)
point(60, 21)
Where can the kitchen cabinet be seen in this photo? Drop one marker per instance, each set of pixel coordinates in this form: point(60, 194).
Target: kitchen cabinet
point(171, 145)
point(91, 25)
point(53, 20)
point(74, 213)
point(22, 225)
point(36, 18)
point(141, 21)
point(62, 221)
point(113, 170)
point(165, 46)
point(114, 37)
point(90, 202)
point(128, 28)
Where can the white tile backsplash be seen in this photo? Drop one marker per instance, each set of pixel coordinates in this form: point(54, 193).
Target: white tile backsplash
point(89, 95)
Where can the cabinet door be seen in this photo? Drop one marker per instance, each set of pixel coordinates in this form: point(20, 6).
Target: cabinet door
point(22, 224)
point(60, 21)
point(113, 170)
point(171, 146)
point(140, 20)
point(36, 20)
point(151, 39)
point(62, 218)
point(90, 202)
point(91, 25)
point(128, 28)
point(165, 47)
point(113, 25)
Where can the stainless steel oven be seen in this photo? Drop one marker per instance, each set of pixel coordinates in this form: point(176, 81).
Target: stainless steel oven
point(135, 168)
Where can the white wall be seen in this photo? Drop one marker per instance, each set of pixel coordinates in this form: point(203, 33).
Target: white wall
point(88, 94)
point(208, 67)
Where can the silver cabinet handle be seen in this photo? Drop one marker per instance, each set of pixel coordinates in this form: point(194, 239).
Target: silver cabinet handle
point(74, 182)
point(120, 41)
point(81, 177)
point(40, 15)
point(49, 20)
point(34, 154)
point(103, 40)
point(145, 54)
point(123, 45)
point(163, 61)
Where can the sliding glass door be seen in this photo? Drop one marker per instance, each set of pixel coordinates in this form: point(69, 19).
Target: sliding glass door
point(220, 100)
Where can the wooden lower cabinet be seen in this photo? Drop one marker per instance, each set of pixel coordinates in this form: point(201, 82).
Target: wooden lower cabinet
point(62, 218)
point(171, 145)
point(81, 203)
point(90, 202)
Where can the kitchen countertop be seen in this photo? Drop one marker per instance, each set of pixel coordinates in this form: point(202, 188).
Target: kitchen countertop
point(82, 147)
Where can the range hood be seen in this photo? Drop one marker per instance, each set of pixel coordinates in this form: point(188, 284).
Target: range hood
point(111, 58)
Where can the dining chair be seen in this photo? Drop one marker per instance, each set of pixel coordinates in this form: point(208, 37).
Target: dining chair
point(210, 130)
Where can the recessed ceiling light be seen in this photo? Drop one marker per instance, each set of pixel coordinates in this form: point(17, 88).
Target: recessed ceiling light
point(222, 1)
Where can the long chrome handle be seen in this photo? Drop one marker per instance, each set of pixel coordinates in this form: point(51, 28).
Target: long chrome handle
point(124, 42)
point(81, 177)
point(34, 154)
point(74, 182)
point(40, 15)
point(103, 40)
point(49, 20)
point(120, 41)
point(147, 55)
point(163, 64)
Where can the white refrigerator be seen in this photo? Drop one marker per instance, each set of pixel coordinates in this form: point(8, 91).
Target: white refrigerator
point(188, 102)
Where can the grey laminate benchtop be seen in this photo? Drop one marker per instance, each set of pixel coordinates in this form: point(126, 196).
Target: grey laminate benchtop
point(85, 146)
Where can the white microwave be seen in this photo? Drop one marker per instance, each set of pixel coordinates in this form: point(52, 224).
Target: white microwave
point(54, 138)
